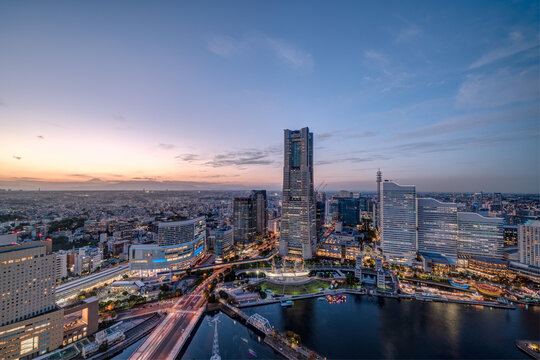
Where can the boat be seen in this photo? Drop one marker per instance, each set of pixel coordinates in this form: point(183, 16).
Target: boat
point(322, 298)
point(252, 353)
point(244, 340)
point(286, 303)
point(460, 284)
point(487, 289)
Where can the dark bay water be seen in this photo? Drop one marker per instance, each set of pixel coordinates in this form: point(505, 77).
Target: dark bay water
point(375, 328)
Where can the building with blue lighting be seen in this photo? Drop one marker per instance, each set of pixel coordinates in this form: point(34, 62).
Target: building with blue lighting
point(180, 245)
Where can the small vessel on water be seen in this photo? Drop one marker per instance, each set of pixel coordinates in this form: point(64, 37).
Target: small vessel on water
point(252, 353)
point(487, 289)
point(244, 340)
point(286, 303)
point(336, 299)
point(460, 284)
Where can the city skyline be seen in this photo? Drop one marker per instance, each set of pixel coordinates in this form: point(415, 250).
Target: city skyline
point(181, 98)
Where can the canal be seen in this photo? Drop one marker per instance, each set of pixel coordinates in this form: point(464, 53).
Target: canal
point(378, 328)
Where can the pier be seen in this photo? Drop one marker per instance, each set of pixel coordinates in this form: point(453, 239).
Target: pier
point(277, 341)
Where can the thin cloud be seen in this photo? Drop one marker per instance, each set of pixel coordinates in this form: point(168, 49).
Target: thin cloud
point(517, 46)
point(187, 157)
point(225, 45)
point(435, 146)
point(166, 146)
point(40, 137)
point(286, 52)
point(503, 87)
point(290, 54)
point(409, 33)
point(346, 133)
point(17, 157)
point(246, 157)
point(466, 123)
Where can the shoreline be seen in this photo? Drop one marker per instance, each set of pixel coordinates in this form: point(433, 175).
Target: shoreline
point(396, 296)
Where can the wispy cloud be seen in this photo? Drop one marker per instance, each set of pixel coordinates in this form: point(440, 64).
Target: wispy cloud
point(285, 51)
point(40, 137)
point(17, 157)
point(460, 143)
point(225, 45)
point(516, 45)
point(386, 73)
point(166, 146)
point(469, 122)
point(290, 54)
point(345, 133)
point(409, 33)
point(187, 157)
point(352, 159)
point(245, 157)
point(505, 86)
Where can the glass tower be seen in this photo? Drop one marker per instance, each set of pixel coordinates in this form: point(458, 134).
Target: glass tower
point(298, 219)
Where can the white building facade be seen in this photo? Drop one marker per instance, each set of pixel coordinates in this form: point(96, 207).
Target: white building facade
point(529, 243)
point(398, 222)
point(437, 228)
point(480, 235)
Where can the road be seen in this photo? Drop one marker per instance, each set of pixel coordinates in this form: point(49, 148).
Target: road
point(166, 339)
point(87, 282)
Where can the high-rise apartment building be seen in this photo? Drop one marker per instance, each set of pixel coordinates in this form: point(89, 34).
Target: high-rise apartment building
point(320, 215)
point(437, 228)
point(250, 217)
point(61, 264)
point(480, 235)
point(529, 243)
point(398, 222)
point(379, 199)
point(260, 207)
point(244, 220)
point(182, 232)
point(224, 243)
point(30, 322)
point(298, 219)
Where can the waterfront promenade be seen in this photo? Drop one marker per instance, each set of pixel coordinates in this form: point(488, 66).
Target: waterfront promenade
point(492, 304)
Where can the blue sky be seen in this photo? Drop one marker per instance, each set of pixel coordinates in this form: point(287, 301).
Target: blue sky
point(444, 95)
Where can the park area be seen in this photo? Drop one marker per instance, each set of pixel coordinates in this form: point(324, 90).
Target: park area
point(295, 289)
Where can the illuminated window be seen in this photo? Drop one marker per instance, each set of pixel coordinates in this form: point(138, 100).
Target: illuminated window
point(29, 345)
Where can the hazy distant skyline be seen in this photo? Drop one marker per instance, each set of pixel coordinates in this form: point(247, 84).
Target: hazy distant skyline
point(195, 95)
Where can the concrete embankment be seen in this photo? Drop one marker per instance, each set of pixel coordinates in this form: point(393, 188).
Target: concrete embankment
point(522, 345)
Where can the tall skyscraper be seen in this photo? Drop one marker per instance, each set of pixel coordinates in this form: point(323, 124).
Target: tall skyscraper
point(379, 199)
point(224, 247)
point(30, 322)
point(350, 210)
point(298, 223)
point(480, 235)
point(320, 213)
point(244, 220)
point(398, 222)
point(260, 207)
point(437, 228)
point(529, 243)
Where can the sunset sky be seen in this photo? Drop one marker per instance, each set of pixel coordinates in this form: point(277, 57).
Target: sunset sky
point(195, 95)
